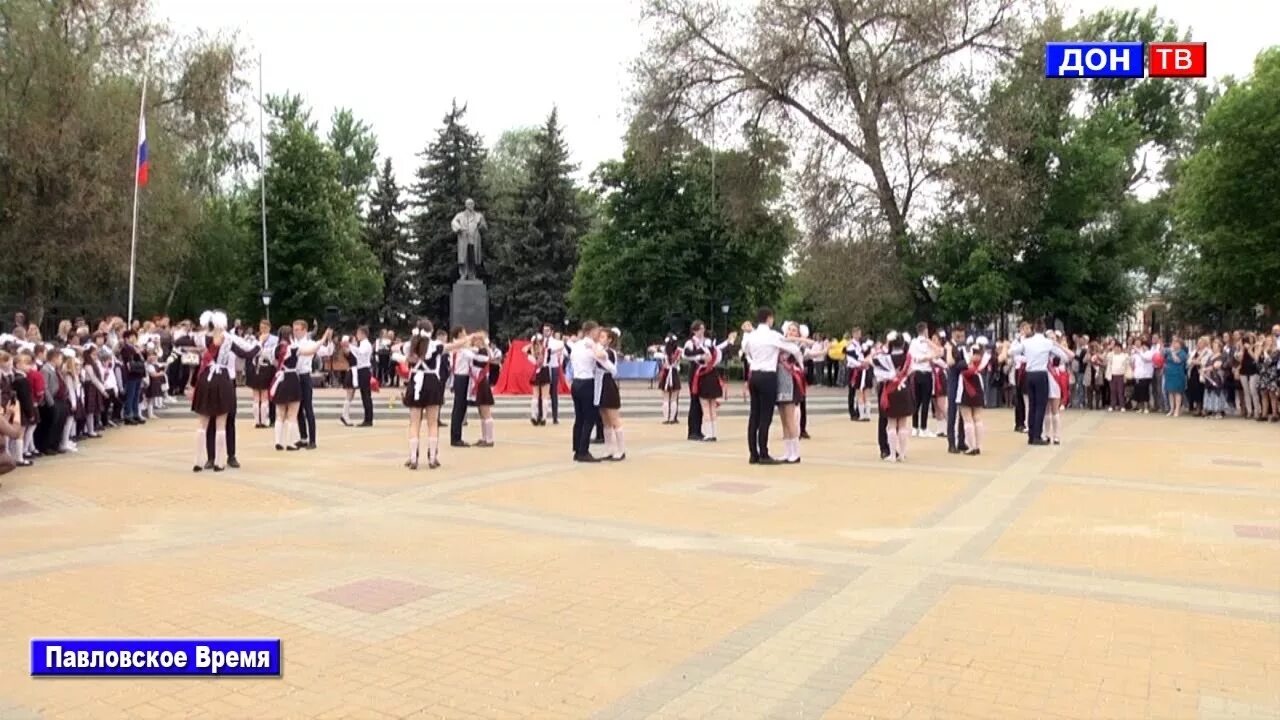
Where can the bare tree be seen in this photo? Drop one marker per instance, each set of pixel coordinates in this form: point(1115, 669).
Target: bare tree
point(866, 88)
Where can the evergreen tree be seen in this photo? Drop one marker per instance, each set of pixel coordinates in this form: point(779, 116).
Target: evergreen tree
point(384, 233)
point(539, 260)
point(313, 231)
point(452, 171)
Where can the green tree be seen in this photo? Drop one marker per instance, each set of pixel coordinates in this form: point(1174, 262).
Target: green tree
point(1226, 200)
point(1042, 215)
point(70, 83)
point(357, 150)
point(224, 268)
point(673, 239)
point(384, 234)
point(539, 258)
point(452, 172)
point(314, 248)
point(506, 169)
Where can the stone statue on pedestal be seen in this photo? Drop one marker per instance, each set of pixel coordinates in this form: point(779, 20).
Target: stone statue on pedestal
point(467, 225)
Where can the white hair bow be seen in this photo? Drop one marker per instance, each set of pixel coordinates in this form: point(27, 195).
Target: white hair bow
point(206, 318)
point(893, 335)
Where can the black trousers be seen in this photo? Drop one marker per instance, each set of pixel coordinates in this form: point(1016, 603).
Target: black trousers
point(599, 425)
point(459, 411)
point(763, 387)
point(306, 410)
point(585, 415)
point(924, 399)
point(882, 424)
point(363, 376)
point(1038, 400)
point(854, 411)
point(212, 431)
point(555, 395)
point(695, 417)
point(804, 415)
point(384, 368)
point(1019, 407)
point(48, 435)
point(955, 433)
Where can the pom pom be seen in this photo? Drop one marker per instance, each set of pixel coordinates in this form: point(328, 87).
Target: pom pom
point(616, 332)
point(219, 320)
point(893, 335)
point(206, 319)
point(982, 340)
point(804, 331)
point(969, 340)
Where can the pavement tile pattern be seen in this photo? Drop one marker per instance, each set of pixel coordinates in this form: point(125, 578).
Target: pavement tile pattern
point(1132, 572)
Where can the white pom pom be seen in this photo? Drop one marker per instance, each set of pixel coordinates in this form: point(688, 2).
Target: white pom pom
point(906, 337)
point(206, 319)
point(220, 320)
point(804, 331)
point(969, 340)
point(893, 335)
point(616, 332)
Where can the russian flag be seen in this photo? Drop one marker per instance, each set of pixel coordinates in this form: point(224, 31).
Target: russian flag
point(144, 166)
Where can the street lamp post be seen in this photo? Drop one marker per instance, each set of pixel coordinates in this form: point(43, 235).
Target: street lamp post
point(724, 309)
point(266, 303)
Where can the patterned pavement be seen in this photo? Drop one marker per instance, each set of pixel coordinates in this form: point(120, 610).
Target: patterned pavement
point(1133, 572)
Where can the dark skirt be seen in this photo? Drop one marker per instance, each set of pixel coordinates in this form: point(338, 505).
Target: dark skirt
point(432, 394)
point(344, 378)
point(542, 377)
point(974, 400)
point(861, 378)
point(484, 394)
point(610, 398)
point(258, 376)
point(155, 388)
point(709, 386)
point(94, 401)
point(289, 390)
point(902, 402)
point(214, 395)
point(1142, 390)
point(672, 376)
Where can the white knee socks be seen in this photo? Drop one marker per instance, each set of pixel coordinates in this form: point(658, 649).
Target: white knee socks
point(279, 430)
point(486, 430)
point(413, 449)
point(610, 448)
point(534, 406)
point(29, 439)
point(666, 408)
point(620, 444)
point(433, 449)
point(200, 451)
point(346, 410)
point(220, 449)
point(978, 431)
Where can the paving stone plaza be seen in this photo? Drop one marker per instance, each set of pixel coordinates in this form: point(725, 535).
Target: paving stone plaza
point(1132, 572)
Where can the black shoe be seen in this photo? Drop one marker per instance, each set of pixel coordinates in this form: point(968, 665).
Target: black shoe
point(1020, 428)
point(954, 450)
point(300, 444)
point(974, 451)
point(696, 438)
point(1038, 442)
point(344, 421)
point(279, 447)
point(294, 448)
point(24, 463)
point(804, 436)
point(433, 464)
point(484, 444)
point(196, 468)
point(311, 446)
point(233, 463)
point(588, 458)
point(615, 458)
point(366, 424)
point(884, 456)
point(553, 422)
point(533, 422)
point(412, 464)
point(218, 469)
point(208, 465)
point(459, 444)
point(753, 461)
point(710, 439)
point(766, 460)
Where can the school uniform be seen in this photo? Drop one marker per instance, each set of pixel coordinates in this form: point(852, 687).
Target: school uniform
point(362, 373)
point(424, 388)
point(607, 395)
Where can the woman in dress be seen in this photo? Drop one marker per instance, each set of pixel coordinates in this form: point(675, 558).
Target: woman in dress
point(607, 396)
point(1059, 393)
point(971, 394)
point(792, 386)
point(215, 390)
point(479, 392)
point(424, 361)
point(1175, 376)
point(897, 398)
point(260, 373)
point(95, 391)
point(705, 384)
point(669, 357)
point(286, 387)
point(344, 365)
point(540, 358)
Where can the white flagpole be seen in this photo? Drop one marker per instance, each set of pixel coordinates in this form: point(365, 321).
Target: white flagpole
point(137, 166)
point(262, 183)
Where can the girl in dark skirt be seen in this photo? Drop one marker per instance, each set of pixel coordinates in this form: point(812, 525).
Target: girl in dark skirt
point(215, 389)
point(95, 392)
point(424, 389)
point(669, 382)
point(540, 357)
point(972, 394)
point(609, 398)
point(345, 366)
point(479, 393)
point(285, 390)
point(705, 384)
point(897, 399)
point(260, 373)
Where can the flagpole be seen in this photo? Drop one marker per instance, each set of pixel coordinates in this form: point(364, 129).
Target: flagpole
point(137, 167)
point(262, 184)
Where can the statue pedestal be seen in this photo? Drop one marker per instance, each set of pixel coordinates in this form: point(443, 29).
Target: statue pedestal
point(469, 306)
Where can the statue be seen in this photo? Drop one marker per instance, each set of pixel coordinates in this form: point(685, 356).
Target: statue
point(468, 224)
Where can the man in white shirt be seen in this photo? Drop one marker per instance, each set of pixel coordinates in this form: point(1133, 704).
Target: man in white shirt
point(306, 410)
point(555, 361)
point(1037, 349)
point(582, 361)
point(922, 355)
point(760, 348)
point(362, 350)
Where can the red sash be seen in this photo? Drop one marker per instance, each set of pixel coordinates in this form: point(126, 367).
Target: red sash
point(282, 352)
point(706, 368)
point(970, 377)
point(475, 377)
point(891, 386)
point(797, 377)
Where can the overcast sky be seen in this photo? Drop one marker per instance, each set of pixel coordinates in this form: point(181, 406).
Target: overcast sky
point(398, 63)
